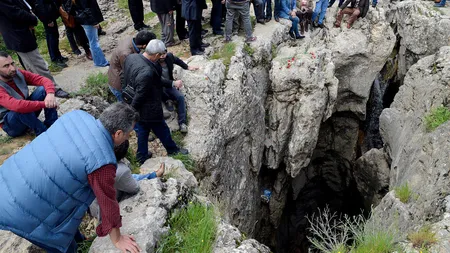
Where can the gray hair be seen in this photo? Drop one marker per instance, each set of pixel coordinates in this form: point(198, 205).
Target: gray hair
point(156, 47)
point(119, 116)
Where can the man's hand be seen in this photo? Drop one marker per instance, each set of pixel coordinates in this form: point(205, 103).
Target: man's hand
point(127, 243)
point(50, 101)
point(97, 26)
point(178, 84)
point(222, 2)
point(51, 24)
point(192, 68)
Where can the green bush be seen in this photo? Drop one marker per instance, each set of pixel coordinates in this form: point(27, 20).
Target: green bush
point(97, 85)
point(436, 117)
point(192, 229)
point(332, 234)
point(423, 238)
point(403, 192)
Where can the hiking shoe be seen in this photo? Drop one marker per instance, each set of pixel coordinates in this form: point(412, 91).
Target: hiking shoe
point(60, 63)
point(169, 105)
point(61, 93)
point(261, 21)
point(183, 128)
point(321, 25)
point(299, 36)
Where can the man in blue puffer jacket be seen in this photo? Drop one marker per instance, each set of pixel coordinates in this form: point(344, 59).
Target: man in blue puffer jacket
point(47, 186)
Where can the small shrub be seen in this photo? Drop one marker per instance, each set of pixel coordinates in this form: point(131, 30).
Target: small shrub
point(436, 117)
point(178, 138)
point(192, 229)
point(187, 160)
point(403, 192)
point(423, 238)
point(225, 53)
point(97, 85)
point(248, 49)
point(134, 164)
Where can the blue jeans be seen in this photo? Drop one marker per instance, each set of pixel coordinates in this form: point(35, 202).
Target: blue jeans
point(96, 51)
point(375, 2)
point(161, 130)
point(295, 21)
point(277, 9)
point(268, 8)
point(174, 94)
point(321, 10)
point(16, 124)
point(52, 37)
point(116, 93)
point(139, 177)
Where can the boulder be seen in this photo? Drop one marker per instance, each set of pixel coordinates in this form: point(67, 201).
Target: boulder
point(174, 169)
point(144, 215)
point(231, 240)
point(10, 242)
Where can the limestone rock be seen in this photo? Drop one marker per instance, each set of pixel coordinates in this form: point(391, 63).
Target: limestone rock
point(419, 158)
point(174, 168)
point(10, 242)
point(230, 239)
point(93, 105)
point(144, 215)
point(371, 172)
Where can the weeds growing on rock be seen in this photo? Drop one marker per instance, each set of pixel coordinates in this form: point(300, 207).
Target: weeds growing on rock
point(403, 193)
point(192, 229)
point(134, 164)
point(97, 85)
point(225, 53)
point(248, 49)
point(187, 160)
point(5, 139)
point(332, 233)
point(436, 117)
point(423, 238)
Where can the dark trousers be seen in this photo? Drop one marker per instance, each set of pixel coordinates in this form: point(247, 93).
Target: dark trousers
point(72, 247)
point(137, 13)
point(195, 34)
point(76, 36)
point(258, 7)
point(52, 37)
point(161, 130)
point(332, 2)
point(180, 24)
point(16, 124)
point(174, 94)
point(216, 16)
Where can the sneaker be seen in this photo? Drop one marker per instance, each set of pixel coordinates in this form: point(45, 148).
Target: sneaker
point(64, 59)
point(183, 128)
point(299, 36)
point(61, 93)
point(169, 105)
point(60, 63)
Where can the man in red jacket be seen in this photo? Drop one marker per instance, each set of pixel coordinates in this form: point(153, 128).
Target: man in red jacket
point(19, 110)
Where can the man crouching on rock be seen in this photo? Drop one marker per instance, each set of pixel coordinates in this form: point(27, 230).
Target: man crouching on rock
point(47, 186)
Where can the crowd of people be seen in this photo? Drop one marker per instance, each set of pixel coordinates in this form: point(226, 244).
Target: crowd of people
point(76, 160)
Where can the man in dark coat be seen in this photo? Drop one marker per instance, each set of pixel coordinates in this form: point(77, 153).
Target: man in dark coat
point(16, 26)
point(355, 9)
point(137, 14)
point(192, 12)
point(143, 73)
point(47, 12)
point(164, 10)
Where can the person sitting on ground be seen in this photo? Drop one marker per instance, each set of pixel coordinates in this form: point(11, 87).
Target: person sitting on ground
point(241, 8)
point(305, 14)
point(357, 8)
point(167, 62)
point(320, 11)
point(288, 11)
point(143, 73)
point(125, 47)
point(125, 183)
point(19, 110)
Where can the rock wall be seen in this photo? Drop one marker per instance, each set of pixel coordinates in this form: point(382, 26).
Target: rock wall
point(419, 158)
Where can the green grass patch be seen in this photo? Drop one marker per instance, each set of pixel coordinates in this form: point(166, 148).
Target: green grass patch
point(225, 53)
point(122, 4)
point(149, 16)
point(84, 246)
point(178, 138)
point(134, 164)
point(187, 160)
point(97, 85)
point(436, 117)
point(248, 49)
point(403, 193)
point(5, 139)
point(192, 229)
point(423, 238)
point(157, 30)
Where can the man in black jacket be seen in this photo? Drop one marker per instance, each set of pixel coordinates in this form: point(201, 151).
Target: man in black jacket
point(167, 62)
point(16, 26)
point(137, 14)
point(47, 12)
point(143, 73)
point(191, 10)
point(164, 10)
